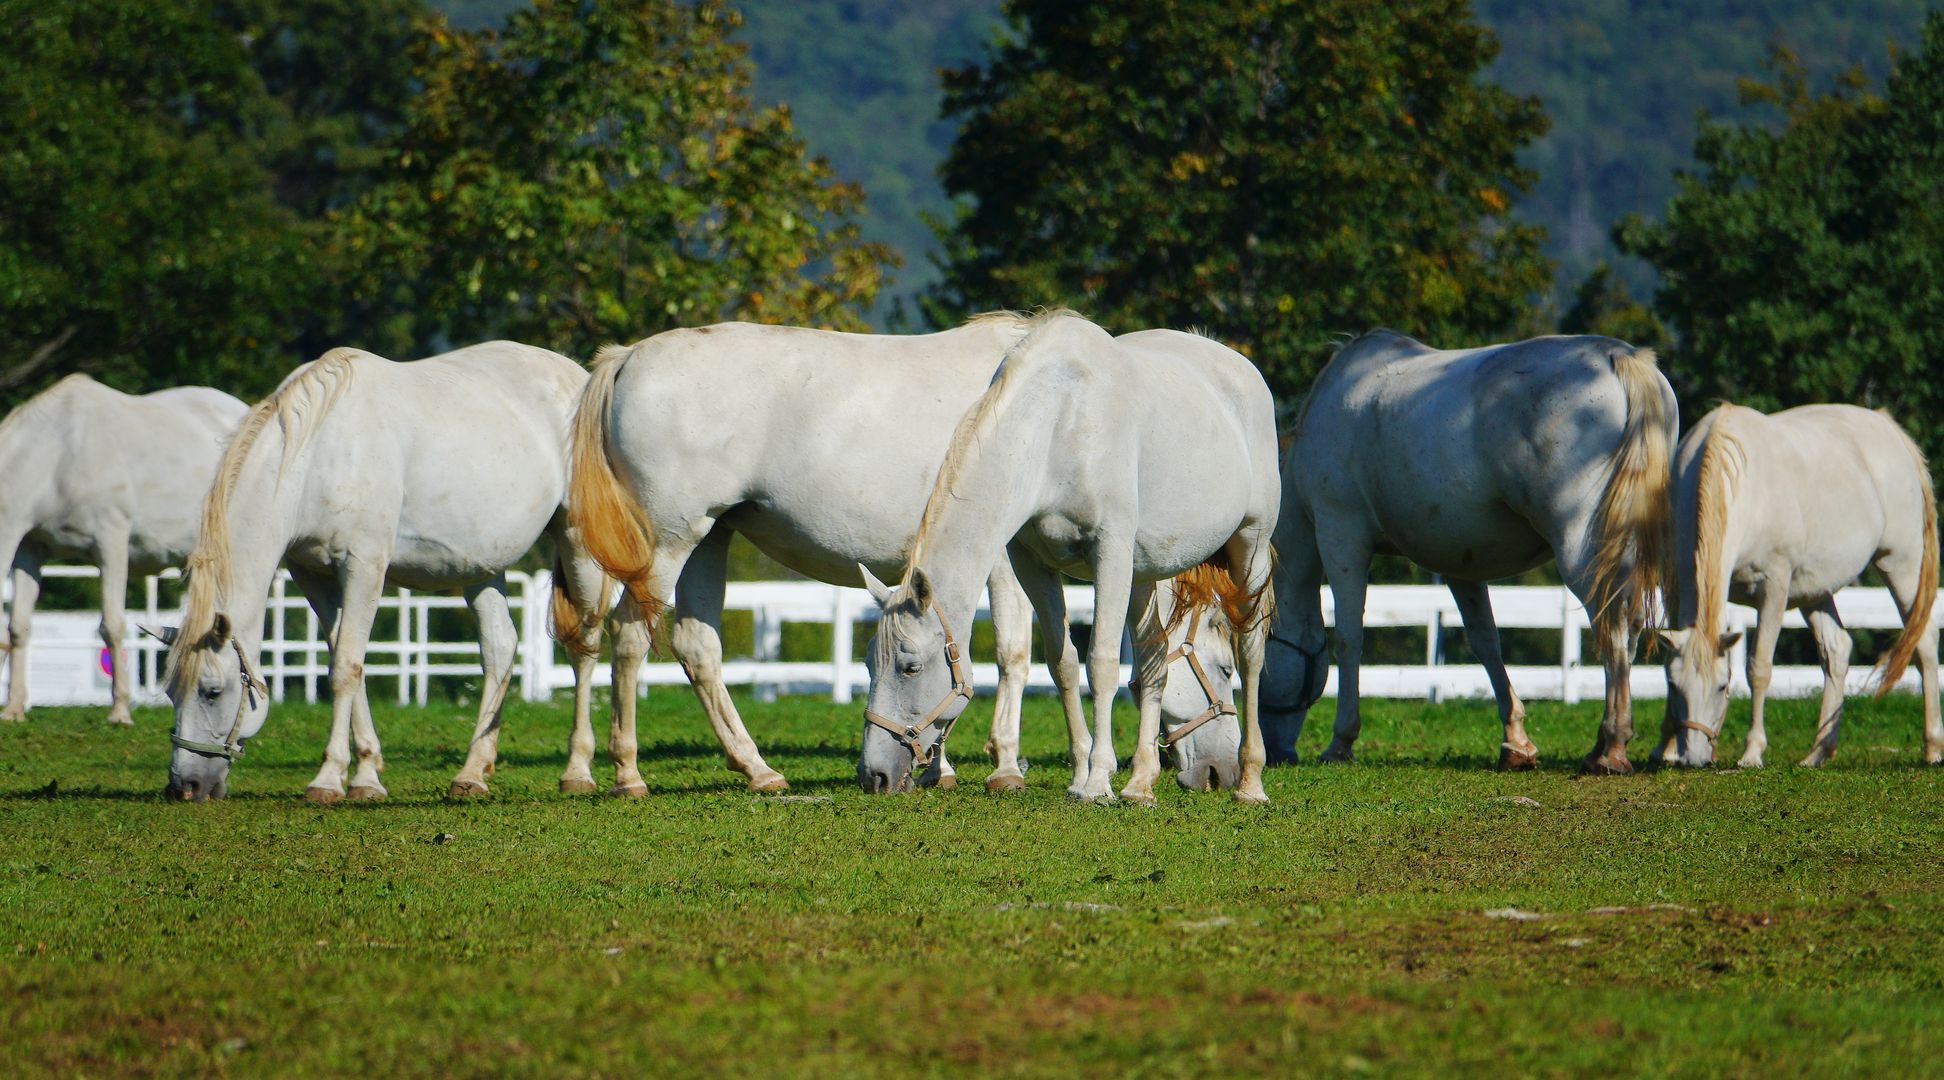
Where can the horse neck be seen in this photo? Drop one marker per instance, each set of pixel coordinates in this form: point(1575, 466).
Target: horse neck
point(30, 459)
point(262, 512)
point(995, 490)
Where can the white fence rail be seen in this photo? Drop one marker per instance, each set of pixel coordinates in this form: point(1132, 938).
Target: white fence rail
point(67, 665)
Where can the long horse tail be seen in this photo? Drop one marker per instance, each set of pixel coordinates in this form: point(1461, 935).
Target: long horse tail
point(612, 526)
point(1633, 527)
point(1917, 619)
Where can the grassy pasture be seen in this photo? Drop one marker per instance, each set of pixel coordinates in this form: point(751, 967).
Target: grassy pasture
point(1778, 921)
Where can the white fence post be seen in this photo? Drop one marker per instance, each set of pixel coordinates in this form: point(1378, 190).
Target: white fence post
point(766, 632)
point(840, 645)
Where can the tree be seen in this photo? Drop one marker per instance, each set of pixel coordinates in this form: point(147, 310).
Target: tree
point(140, 239)
point(1604, 305)
point(1275, 172)
point(1806, 263)
point(595, 172)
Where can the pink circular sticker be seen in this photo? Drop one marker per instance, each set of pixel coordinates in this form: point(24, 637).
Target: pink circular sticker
point(108, 663)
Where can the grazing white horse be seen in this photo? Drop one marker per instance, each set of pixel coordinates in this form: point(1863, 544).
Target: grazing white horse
point(94, 474)
point(779, 433)
point(1780, 512)
point(359, 471)
point(1476, 464)
point(1122, 460)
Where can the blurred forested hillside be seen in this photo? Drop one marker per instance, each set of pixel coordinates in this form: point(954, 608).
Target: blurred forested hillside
point(1621, 79)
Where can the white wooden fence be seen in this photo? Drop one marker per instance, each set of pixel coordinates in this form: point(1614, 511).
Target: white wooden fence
point(66, 663)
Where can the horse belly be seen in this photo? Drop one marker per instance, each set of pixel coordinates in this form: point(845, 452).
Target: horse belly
point(1469, 543)
point(827, 541)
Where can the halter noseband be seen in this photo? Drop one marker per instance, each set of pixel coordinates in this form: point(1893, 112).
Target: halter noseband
point(231, 747)
point(1216, 706)
point(961, 688)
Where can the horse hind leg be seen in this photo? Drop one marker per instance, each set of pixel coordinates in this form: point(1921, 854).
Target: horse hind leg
point(628, 631)
point(20, 633)
point(1253, 553)
point(1346, 561)
point(586, 588)
point(1150, 647)
point(1905, 577)
point(114, 623)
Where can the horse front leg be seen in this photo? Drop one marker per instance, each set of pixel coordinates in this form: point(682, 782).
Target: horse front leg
point(1113, 574)
point(585, 588)
point(1761, 668)
point(1150, 679)
point(346, 615)
point(1012, 632)
point(1833, 646)
point(20, 632)
point(498, 643)
point(1062, 659)
point(1516, 750)
point(114, 622)
point(1348, 564)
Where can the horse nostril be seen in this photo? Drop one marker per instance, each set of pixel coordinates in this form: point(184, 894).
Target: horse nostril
point(186, 791)
point(876, 782)
point(1214, 778)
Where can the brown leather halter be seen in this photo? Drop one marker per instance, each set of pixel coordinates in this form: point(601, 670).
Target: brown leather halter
point(961, 688)
point(1216, 706)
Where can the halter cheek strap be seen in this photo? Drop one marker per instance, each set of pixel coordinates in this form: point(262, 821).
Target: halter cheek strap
point(1216, 706)
point(908, 734)
point(231, 747)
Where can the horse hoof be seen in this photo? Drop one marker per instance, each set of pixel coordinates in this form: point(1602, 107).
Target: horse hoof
point(1934, 756)
point(1336, 755)
point(945, 783)
point(1008, 782)
point(1138, 798)
point(123, 720)
point(1250, 798)
point(366, 793)
point(769, 785)
point(629, 791)
point(460, 789)
point(13, 718)
point(322, 796)
point(577, 786)
point(1606, 766)
point(1512, 759)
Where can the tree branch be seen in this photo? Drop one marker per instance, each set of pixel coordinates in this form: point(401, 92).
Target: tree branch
point(25, 370)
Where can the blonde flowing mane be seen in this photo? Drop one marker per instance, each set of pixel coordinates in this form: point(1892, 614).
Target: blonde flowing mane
point(1722, 460)
point(978, 420)
point(298, 407)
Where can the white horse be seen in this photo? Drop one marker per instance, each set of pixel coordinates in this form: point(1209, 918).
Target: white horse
point(1779, 512)
point(359, 471)
point(779, 433)
point(96, 475)
point(1476, 464)
point(1122, 460)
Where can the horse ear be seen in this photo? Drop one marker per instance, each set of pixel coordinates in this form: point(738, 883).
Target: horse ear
point(921, 588)
point(219, 631)
point(879, 590)
point(166, 634)
point(1729, 641)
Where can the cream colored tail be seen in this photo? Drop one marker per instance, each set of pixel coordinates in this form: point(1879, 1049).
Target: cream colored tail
point(1917, 621)
point(611, 525)
point(1634, 527)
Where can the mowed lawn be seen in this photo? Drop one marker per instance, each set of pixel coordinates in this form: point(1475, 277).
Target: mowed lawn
point(1713, 923)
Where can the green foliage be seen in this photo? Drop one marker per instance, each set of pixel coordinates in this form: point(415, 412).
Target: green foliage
point(1623, 83)
point(1274, 172)
point(1339, 931)
point(595, 173)
point(1807, 264)
point(1603, 305)
point(140, 238)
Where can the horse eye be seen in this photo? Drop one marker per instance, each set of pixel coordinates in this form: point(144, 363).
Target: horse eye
point(211, 694)
point(910, 667)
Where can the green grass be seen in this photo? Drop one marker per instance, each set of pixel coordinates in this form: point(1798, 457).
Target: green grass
point(704, 930)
